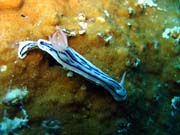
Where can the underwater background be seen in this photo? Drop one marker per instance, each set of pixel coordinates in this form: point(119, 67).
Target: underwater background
point(140, 37)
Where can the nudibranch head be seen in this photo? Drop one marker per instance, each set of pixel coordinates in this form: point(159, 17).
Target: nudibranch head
point(59, 40)
point(121, 94)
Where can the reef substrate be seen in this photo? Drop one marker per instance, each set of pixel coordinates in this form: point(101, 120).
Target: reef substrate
point(116, 36)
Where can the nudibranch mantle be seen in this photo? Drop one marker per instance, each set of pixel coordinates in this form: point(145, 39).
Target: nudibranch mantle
point(58, 48)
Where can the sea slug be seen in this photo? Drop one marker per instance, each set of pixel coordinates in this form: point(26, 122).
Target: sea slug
point(58, 48)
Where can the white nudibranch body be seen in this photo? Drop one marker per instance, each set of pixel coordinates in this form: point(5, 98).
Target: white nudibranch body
point(58, 48)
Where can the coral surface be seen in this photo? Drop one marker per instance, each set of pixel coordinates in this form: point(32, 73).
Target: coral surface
point(116, 36)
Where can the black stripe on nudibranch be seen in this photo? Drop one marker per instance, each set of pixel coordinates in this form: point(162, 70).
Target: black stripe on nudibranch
point(50, 47)
point(22, 49)
point(79, 59)
point(89, 66)
point(27, 47)
point(110, 86)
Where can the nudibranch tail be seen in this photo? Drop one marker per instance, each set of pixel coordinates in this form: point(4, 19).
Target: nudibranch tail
point(59, 40)
point(26, 46)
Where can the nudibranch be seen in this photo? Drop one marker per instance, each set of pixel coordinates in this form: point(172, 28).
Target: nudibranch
point(58, 48)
